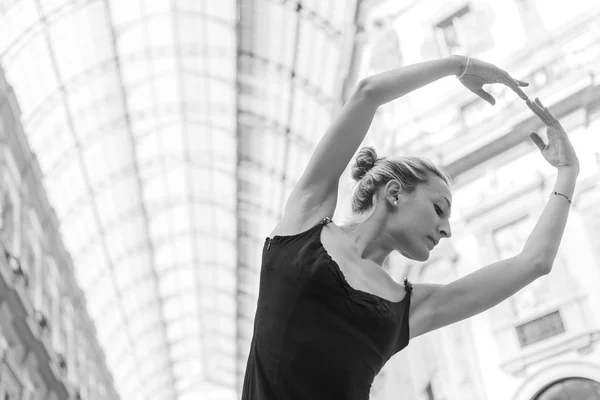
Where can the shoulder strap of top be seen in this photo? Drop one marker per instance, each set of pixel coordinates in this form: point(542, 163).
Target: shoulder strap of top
point(407, 285)
point(286, 239)
point(325, 221)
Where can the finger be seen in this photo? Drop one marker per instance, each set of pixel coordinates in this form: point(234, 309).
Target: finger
point(544, 109)
point(537, 110)
point(521, 83)
point(485, 95)
point(537, 140)
point(518, 91)
point(535, 107)
point(555, 122)
point(551, 118)
point(514, 85)
point(539, 102)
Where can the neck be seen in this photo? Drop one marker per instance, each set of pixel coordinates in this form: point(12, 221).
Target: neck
point(367, 239)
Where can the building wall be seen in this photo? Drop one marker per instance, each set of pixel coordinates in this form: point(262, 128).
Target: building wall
point(130, 108)
point(548, 331)
point(48, 345)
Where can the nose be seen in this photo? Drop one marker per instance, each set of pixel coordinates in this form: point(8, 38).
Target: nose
point(445, 230)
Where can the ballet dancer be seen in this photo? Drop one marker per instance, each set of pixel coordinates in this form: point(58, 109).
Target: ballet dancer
point(328, 316)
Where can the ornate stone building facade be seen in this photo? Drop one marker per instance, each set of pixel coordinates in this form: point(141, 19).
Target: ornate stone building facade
point(543, 341)
point(48, 344)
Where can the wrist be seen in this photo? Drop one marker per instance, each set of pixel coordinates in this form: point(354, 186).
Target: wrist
point(571, 170)
point(457, 64)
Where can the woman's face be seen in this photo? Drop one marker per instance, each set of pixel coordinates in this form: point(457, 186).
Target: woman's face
point(421, 219)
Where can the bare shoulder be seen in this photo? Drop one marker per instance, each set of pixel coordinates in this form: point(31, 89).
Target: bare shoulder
point(293, 224)
point(422, 291)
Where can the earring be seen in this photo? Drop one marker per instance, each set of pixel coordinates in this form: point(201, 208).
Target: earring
point(396, 203)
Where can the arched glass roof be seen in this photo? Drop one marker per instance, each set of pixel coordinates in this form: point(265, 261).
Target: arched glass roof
point(162, 128)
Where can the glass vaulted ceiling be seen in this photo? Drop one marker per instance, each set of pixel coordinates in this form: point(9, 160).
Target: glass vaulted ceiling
point(169, 133)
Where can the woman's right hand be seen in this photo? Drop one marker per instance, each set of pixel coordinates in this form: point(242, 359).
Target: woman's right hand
point(479, 73)
point(559, 151)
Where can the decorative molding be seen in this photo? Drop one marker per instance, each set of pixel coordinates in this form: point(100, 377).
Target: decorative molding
point(547, 376)
point(582, 343)
point(547, 308)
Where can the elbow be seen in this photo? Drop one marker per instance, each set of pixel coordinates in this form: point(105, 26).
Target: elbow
point(542, 265)
point(366, 90)
point(544, 268)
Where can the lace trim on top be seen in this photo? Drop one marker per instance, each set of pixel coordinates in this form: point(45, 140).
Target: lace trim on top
point(357, 293)
point(371, 297)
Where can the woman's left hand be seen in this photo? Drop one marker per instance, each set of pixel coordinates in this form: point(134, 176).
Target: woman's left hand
point(481, 73)
point(559, 151)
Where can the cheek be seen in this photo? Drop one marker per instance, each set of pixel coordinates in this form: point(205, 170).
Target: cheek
point(425, 217)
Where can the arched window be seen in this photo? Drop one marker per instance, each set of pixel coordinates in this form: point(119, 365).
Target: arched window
point(572, 388)
point(7, 220)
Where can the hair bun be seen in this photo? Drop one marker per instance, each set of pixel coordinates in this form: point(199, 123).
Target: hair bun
point(365, 159)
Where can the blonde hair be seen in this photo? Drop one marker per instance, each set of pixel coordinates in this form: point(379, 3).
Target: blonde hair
point(371, 173)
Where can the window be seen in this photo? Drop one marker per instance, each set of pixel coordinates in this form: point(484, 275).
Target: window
point(79, 363)
point(572, 388)
point(8, 387)
point(29, 258)
point(4, 345)
point(450, 33)
point(9, 205)
point(539, 329)
point(530, 16)
point(429, 391)
point(63, 328)
point(29, 389)
point(525, 4)
point(386, 52)
point(7, 220)
point(508, 241)
point(68, 319)
point(52, 301)
point(30, 255)
point(45, 305)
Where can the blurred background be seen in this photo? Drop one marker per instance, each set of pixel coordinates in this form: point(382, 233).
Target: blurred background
point(147, 149)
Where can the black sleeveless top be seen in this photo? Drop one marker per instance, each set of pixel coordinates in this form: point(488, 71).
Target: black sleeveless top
point(315, 337)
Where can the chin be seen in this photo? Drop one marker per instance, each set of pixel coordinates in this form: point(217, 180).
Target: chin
point(417, 256)
point(423, 257)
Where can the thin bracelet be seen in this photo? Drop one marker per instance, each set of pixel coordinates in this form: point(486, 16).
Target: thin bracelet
point(466, 68)
point(560, 194)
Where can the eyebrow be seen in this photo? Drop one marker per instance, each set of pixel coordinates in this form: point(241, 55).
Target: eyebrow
point(447, 201)
point(449, 205)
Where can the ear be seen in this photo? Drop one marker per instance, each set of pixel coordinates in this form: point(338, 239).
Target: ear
point(392, 192)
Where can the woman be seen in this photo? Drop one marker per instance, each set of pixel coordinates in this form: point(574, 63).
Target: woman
point(328, 316)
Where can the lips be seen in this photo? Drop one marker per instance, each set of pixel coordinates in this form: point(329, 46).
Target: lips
point(435, 242)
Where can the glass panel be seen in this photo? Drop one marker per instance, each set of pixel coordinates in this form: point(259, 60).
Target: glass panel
point(133, 112)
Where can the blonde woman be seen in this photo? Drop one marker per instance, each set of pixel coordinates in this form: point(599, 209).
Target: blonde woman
point(328, 316)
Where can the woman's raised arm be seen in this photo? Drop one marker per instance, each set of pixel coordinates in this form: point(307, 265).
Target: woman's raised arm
point(492, 284)
point(316, 191)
